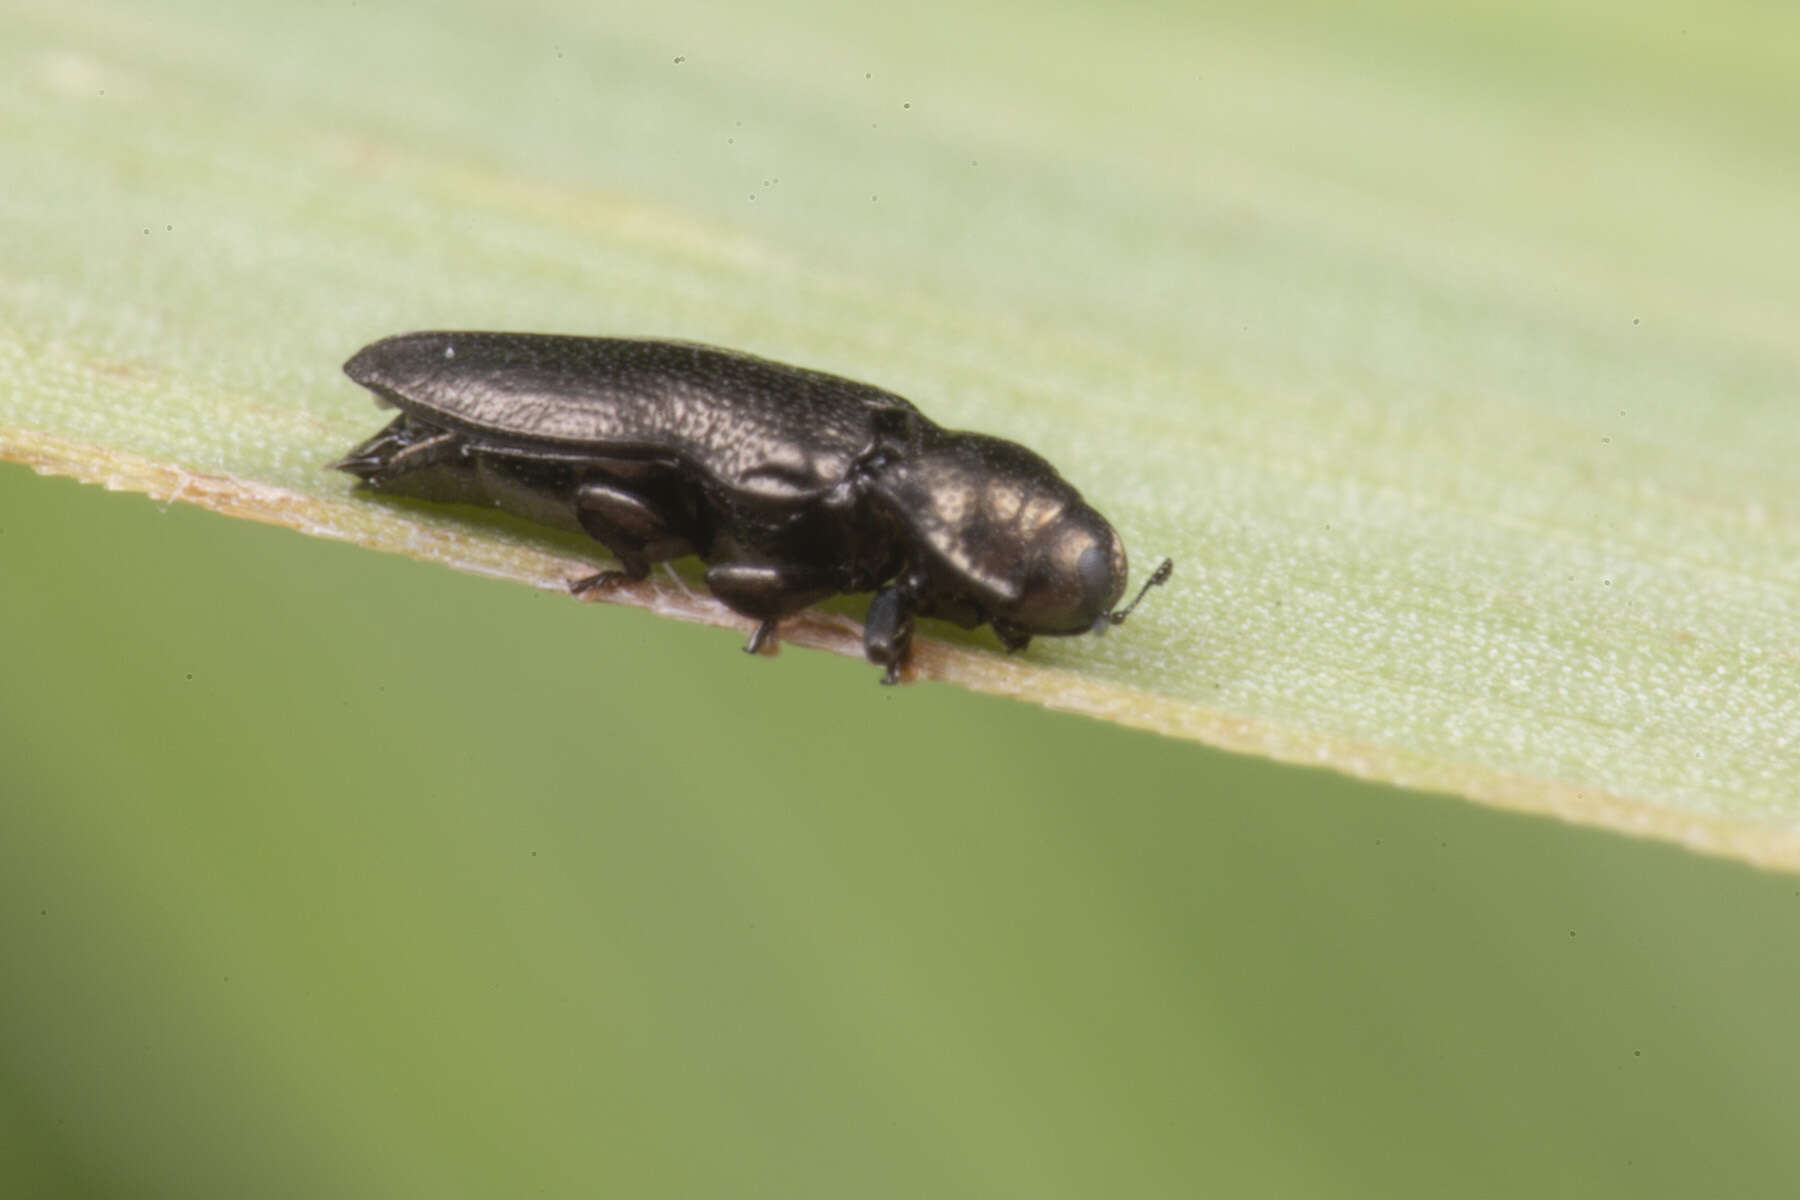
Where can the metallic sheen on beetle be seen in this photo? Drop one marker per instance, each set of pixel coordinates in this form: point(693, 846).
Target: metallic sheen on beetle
point(792, 485)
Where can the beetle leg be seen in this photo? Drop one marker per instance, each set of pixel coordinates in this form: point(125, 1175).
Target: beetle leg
point(768, 592)
point(602, 581)
point(763, 635)
point(404, 445)
point(634, 529)
point(1011, 636)
point(887, 633)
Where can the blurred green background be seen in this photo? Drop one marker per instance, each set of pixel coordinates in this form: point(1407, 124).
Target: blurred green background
point(331, 873)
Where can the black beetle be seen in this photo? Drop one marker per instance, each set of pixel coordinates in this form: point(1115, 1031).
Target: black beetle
point(793, 485)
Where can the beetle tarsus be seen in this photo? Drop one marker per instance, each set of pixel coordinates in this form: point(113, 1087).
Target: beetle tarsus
point(403, 445)
point(762, 637)
point(603, 581)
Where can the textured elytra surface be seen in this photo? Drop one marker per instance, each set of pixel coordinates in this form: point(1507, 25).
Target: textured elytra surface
point(747, 421)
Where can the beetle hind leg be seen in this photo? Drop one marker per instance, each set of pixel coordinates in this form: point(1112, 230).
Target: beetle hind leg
point(403, 446)
point(603, 581)
point(637, 530)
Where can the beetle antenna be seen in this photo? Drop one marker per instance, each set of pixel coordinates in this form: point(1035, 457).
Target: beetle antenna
point(1157, 578)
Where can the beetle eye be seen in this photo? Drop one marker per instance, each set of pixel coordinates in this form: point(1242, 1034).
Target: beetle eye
point(1094, 568)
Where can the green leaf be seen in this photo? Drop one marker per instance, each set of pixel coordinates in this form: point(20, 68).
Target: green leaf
point(1450, 356)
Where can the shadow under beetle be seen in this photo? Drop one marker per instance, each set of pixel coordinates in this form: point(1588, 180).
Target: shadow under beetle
point(793, 485)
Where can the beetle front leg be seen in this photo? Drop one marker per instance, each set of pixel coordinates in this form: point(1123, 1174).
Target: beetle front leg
point(887, 633)
point(768, 592)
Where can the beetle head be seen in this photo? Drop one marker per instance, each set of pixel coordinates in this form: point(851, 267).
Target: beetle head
point(993, 525)
point(1074, 572)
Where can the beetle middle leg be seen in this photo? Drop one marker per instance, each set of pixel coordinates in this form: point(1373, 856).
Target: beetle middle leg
point(768, 592)
point(634, 526)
